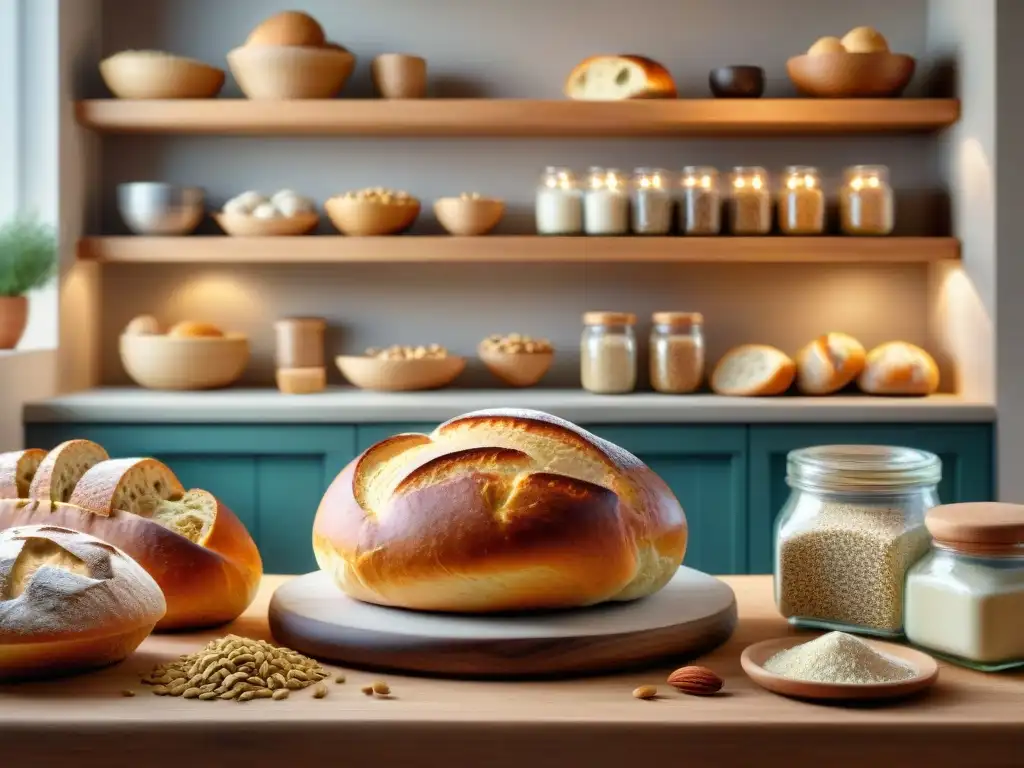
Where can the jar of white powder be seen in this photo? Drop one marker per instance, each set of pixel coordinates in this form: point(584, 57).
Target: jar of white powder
point(608, 353)
point(559, 203)
point(606, 203)
point(852, 527)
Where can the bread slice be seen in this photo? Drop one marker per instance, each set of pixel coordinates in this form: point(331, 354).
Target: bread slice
point(63, 467)
point(751, 370)
point(829, 363)
point(17, 468)
point(899, 368)
point(614, 78)
point(134, 485)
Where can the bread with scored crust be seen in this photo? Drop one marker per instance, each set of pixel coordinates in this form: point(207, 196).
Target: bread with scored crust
point(899, 368)
point(829, 363)
point(17, 468)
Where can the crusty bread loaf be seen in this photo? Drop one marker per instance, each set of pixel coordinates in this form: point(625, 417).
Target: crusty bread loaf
point(614, 78)
point(17, 468)
point(499, 510)
point(829, 363)
point(69, 602)
point(899, 368)
point(63, 467)
point(188, 329)
point(751, 370)
point(288, 28)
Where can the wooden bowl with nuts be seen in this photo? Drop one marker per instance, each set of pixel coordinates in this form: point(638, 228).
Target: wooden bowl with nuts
point(401, 369)
point(372, 212)
point(469, 214)
point(519, 361)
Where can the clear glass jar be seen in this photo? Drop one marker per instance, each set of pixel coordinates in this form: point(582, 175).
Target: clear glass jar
point(750, 201)
point(677, 352)
point(867, 205)
point(559, 203)
point(801, 202)
point(652, 205)
point(606, 203)
point(701, 204)
point(608, 353)
point(852, 527)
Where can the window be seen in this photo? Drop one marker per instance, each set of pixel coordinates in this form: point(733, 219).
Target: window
point(10, 166)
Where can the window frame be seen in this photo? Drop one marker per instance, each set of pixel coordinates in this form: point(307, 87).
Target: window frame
point(11, 114)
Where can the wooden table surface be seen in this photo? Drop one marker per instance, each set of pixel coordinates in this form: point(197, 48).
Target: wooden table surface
point(968, 718)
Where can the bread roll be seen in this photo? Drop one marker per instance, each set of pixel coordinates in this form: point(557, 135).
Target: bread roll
point(192, 330)
point(143, 325)
point(865, 40)
point(899, 368)
point(826, 45)
point(288, 28)
point(495, 511)
point(17, 468)
point(828, 364)
point(613, 78)
point(63, 467)
point(751, 370)
point(69, 602)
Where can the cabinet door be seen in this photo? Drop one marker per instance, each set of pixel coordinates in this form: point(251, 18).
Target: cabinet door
point(965, 449)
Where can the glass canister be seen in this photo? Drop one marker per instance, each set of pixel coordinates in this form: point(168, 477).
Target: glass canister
point(965, 598)
point(867, 205)
point(701, 203)
point(608, 352)
point(652, 204)
point(606, 203)
point(559, 203)
point(852, 527)
point(677, 352)
point(750, 201)
point(801, 202)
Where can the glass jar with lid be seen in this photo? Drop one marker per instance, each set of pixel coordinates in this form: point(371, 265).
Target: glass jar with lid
point(801, 201)
point(852, 527)
point(608, 352)
point(750, 201)
point(867, 204)
point(677, 352)
point(652, 205)
point(965, 598)
point(701, 204)
point(559, 203)
point(606, 203)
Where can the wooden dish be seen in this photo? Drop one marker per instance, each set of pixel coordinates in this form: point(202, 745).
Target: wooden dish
point(290, 71)
point(163, 362)
point(240, 225)
point(517, 369)
point(157, 75)
point(367, 218)
point(754, 657)
point(399, 76)
point(384, 375)
point(468, 217)
point(851, 75)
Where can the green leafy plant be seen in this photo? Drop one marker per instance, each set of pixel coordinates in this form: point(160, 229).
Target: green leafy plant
point(28, 256)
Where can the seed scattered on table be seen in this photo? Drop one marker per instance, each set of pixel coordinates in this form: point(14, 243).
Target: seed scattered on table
point(320, 691)
point(645, 692)
point(367, 689)
point(280, 693)
point(127, 694)
point(339, 679)
point(381, 688)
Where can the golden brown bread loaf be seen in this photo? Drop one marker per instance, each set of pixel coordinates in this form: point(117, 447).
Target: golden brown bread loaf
point(829, 363)
point(288, 28)
point(753, 370)
point(899, 368)
point(69, 602)
point(499, 510)
point(614, 78)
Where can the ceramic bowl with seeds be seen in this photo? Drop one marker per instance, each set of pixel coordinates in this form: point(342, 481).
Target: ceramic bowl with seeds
point(517, 360)
point(469, 214)
point(401, 369)
point(372, 212)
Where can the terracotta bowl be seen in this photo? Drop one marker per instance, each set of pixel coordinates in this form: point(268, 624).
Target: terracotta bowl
point(290, 71)
point(468, 216)
point(240, 225)
point(517, 369)
point(366, 218)
point(399, 375)
point(851, 75)
point(162, 362)
point(155, 75)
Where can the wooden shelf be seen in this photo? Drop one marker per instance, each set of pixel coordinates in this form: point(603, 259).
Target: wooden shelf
point(520, 118)
point(517, 249)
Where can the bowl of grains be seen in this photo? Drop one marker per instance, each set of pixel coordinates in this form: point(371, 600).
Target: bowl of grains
point(469, 214)
point(517, 360)
point(401, 369)
point(372, 212)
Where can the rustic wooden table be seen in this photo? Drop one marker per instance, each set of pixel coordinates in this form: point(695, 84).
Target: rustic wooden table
point(968, 718)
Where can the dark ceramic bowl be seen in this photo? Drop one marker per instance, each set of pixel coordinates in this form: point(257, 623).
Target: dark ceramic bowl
point(739, 82)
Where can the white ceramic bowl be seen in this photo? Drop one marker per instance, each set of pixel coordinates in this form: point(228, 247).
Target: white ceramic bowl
point(164, 362)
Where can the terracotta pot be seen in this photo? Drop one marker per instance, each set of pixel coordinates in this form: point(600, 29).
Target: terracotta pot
point(13, 317)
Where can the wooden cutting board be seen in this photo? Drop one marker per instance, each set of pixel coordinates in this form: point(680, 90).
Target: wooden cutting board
point(692, 614)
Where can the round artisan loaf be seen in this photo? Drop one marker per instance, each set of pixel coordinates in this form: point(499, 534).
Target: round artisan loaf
point(499, 510)
point(69, 602)
point(899, 368)
point(829, 363)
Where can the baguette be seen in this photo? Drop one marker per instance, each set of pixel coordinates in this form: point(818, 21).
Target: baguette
point(899, 368)
point(615, 78)
point(17, 468)
point(63, 467)
point(829, 363)
point(753, 370)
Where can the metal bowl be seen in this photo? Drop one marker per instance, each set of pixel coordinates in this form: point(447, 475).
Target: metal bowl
point(156, 208)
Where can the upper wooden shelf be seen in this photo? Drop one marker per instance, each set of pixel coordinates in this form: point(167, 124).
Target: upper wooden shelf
point(511, 117)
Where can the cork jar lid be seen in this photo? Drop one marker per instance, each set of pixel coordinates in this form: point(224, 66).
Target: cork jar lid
point(987, 527)
point(293, 322)
point(677, 318)
point(609, 318)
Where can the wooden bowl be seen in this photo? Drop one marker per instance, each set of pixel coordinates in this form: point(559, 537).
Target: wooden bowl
point(290, 72)
point(367, 218)
point(384, 375)
point(163, 362)
point(517, 369)
point(158, 75)
point(399, 76)
point(851, 75)
point(240, 225)
point(468, 217)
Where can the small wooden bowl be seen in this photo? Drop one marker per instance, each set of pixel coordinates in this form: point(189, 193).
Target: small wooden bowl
point(162, 362)
point(157, 75)
point(399, 375)
point(467, 216)
point(517, 369)
point(399, 76)
point(290, 71)
point(851, 75)
point(367, 218)
point(239, 225)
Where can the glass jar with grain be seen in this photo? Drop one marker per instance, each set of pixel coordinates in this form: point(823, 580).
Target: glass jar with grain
point(867, 205)
point(701, 202)
point(849, 532)
point(606, 203)
point(801, 201)
point(677, 352)
point(750, 201)
point(652, 204)
point(559, 203)
point(608, 352)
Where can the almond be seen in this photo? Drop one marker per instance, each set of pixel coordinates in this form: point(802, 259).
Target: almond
point(695, 681)
point(645, 692)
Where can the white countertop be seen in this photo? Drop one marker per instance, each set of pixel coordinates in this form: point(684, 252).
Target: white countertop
point(345, 406)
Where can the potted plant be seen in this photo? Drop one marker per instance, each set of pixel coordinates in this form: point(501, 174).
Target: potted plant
point(28, 260)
